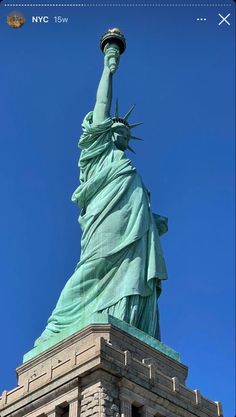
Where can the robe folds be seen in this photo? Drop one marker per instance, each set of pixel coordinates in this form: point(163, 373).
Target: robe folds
point(121, 263)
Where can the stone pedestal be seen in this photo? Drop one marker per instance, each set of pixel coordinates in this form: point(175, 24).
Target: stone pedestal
point(104, 371)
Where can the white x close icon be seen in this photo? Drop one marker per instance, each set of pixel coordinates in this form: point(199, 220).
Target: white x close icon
point(224, 19)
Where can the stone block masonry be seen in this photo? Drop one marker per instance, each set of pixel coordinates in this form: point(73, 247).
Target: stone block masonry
point(103, 372)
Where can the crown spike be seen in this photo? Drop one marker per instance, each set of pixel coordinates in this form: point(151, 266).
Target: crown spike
point(129, 112)
point(117, 109)
point(129, 147)
point(135, 125)
point(135, 137)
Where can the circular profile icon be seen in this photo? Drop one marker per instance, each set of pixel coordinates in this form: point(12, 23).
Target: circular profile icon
point(15, 20)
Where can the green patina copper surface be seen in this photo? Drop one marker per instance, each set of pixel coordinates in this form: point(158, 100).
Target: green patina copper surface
point(121, 264)
point(103, 319)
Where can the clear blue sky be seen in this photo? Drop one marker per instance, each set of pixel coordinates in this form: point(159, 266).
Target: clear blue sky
point(180, 73)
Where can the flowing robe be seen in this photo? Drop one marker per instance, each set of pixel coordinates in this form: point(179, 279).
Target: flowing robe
point(121, 264)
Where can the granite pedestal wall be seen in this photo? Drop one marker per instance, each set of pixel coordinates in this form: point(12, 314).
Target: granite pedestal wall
point(103, 371)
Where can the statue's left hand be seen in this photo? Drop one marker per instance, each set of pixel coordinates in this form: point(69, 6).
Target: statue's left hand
point(112, 57)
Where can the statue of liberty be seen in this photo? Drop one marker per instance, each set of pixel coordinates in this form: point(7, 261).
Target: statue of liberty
point(121, 264)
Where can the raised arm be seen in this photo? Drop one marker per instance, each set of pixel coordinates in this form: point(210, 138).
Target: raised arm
point(104, 93)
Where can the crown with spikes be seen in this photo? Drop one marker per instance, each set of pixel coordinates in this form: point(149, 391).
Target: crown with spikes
point(124, 121)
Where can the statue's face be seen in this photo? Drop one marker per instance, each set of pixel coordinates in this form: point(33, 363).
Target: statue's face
point(121, 136)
